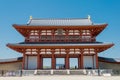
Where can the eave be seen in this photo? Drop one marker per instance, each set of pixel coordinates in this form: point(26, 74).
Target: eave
point(8, 62)
point(25, 29)
point(21, 48)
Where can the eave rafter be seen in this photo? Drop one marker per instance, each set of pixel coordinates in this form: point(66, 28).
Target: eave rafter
point(98, 48)
point(25, 29)
point(98, 29)
point(24, 32)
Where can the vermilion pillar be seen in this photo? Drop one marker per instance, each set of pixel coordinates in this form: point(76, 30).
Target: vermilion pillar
point(53, 64)
point(41, 62)
point(67, 66)
point(81, 60)
point(96, 55)
point(67, 61)
point(38, 60)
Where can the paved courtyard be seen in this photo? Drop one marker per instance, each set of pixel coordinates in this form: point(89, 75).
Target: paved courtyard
point(62, 77)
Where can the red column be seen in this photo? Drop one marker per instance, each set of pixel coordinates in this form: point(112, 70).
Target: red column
point(81, 60)
point(23, 61)
point(38, 60)
point(41, 62)
point(53, 62)
point(96, 55)
point(67, 66)
point(67, 61)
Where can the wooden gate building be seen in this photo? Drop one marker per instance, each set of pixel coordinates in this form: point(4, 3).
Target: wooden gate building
point(60, 38)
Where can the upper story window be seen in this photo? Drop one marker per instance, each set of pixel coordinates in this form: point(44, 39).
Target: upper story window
point(60, 32)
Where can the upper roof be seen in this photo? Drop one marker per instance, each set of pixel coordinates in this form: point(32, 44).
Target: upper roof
point(60, 22)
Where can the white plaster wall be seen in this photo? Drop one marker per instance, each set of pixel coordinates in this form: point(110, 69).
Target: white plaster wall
point(88, 61)
point(11, 66)
point(32, 62)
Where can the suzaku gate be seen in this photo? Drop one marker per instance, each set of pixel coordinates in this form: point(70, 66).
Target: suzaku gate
point(65, 39)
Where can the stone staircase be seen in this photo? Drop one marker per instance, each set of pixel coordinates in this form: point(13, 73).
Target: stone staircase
point(42, 72)
point(77, 72)
point(66, 72)
point(60, 72)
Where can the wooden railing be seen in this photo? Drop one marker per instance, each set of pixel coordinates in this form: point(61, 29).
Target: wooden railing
point(60, 39)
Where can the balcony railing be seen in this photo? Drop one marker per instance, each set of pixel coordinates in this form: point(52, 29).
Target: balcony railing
point(60, 38)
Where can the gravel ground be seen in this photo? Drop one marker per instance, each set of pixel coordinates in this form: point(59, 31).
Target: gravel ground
point(62, 77)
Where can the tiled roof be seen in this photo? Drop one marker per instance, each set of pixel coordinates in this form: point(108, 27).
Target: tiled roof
point(109, 59)
point(11, 59)
point(60, 22)
point(59, 44)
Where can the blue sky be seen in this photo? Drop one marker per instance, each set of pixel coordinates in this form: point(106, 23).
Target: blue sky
point(18, 12)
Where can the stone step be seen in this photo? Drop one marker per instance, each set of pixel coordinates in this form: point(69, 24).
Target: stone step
point(43, 72)
point(77, 73)
point(60, 72)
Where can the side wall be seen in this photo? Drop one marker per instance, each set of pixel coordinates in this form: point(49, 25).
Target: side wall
point(105, 65)
point(11, 66)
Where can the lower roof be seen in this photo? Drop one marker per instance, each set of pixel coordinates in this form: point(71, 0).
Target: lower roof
point(111, 60)
point(11, 60)
point(60, 44)
point(19, 47)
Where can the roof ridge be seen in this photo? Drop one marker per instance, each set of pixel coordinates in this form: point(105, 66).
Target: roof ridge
point(56, 18)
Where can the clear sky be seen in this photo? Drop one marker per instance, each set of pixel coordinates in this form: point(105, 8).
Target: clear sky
point(18, 12)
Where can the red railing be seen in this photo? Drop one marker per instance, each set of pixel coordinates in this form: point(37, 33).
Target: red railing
point(60, 38)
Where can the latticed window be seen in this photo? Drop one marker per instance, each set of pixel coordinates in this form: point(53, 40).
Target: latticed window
point(86, 36)
point(60, 32)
